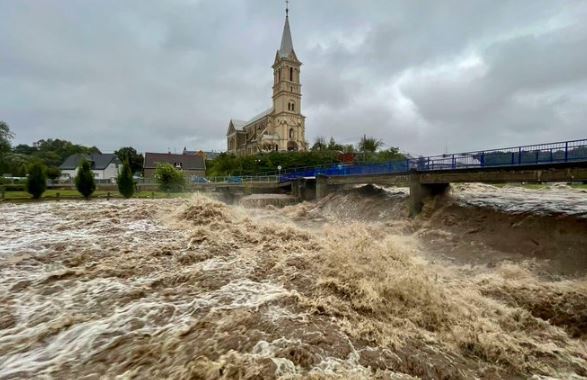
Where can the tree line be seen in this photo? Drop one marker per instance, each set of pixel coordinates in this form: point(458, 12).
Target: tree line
point(15, 160)
point(367, 150)
point(40, 162)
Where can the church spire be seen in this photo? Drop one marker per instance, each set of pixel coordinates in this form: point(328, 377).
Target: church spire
point(286, 47)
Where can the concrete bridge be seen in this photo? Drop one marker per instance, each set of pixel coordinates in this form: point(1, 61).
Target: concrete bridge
point(429, 176)
point(425, 185)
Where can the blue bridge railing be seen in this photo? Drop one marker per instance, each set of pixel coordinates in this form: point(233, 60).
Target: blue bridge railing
point(527, 155)
point(540, 154)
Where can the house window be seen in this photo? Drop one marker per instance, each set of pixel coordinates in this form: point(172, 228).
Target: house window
point(291, 74)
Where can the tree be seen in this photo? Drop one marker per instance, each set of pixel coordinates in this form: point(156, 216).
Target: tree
point(370, 144)
point(84, 181)
point(53, 172)
point(332, 145)
point(126, 185)
point(130, 154)
point(5, 138)
point(349, 148)
point(319, 144)
point(36, 182)
point(169, 179)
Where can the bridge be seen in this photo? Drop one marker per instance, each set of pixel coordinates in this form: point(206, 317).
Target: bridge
point(429, 176)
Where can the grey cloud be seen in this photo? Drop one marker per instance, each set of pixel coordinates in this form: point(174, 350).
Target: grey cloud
point(161, 75)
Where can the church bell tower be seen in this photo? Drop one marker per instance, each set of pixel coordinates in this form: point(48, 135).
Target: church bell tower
point(287, 93)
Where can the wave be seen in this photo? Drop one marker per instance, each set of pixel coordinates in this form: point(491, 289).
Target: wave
point(348, 287)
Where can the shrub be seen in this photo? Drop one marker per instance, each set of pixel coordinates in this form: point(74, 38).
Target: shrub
point(84, 181)
point(36, 182)
point(53, 172)
point(126, 185)
point(169, 179)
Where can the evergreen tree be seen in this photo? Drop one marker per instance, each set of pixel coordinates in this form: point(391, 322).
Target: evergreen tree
point(36, 182)
point(84, 181)
point(132, 156)
point(126, 185)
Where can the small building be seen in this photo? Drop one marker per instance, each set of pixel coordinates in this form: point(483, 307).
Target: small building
point(104, 165)
point(191, 164)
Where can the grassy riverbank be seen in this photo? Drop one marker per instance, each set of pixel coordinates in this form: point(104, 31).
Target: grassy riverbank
point(23, 196)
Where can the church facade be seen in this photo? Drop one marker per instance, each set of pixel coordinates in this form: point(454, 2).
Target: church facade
point(282, 126)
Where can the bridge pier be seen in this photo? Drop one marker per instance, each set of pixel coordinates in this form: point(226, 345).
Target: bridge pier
point(420, 192)
point(323, 188)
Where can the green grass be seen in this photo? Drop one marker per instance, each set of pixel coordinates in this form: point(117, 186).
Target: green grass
point(73, 194)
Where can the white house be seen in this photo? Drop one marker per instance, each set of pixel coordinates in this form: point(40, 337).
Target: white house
point(104, 166)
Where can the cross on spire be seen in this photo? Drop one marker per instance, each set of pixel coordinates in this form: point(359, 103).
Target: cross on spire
point(286, 8)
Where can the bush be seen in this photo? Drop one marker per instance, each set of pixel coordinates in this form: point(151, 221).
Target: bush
point(126, 185)
point(84, 181)
point(36, 182)
point(53, 172)
point(169, 179)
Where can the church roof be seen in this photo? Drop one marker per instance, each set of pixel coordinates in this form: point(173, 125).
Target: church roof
point(260, 116)
point(286, 47)
point(238, 124)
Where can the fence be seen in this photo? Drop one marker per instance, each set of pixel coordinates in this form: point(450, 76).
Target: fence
point(540, 154)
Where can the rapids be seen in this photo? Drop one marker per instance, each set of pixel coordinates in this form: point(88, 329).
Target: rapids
point(488, 283)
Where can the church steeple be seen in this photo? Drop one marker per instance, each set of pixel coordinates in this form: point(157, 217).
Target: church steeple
point(287, 93)
point(286, 47)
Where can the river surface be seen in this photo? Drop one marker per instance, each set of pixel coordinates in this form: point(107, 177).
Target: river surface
point(487, 283)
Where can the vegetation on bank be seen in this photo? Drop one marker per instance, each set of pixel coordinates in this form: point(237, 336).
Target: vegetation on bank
point(370, 150)
point(36, 182)
point(170, 179)
point(64, 194)
point(15, 160)
point(125, 181)
point(84, 181)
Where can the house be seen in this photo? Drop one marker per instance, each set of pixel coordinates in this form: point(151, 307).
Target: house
point(104, 165)
point(191, 164)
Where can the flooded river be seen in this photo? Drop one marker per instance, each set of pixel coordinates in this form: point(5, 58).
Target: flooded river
point(488, 283)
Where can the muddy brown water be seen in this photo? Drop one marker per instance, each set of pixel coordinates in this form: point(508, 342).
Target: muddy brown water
point(348, 287)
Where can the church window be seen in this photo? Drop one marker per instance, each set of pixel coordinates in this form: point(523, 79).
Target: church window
point(279, 74)
point(291, 133)
point(291, 74)
point(293, 106)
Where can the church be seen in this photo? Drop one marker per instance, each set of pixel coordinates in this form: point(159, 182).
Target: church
point(281, 127)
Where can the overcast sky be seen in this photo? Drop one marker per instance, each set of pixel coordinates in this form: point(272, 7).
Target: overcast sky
point(426, 76)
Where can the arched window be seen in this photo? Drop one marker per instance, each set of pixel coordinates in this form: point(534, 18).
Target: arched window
point(293, 106)
point(291, 74)
point(291, 133)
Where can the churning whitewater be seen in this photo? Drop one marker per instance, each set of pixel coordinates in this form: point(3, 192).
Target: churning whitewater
point(347, 287)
